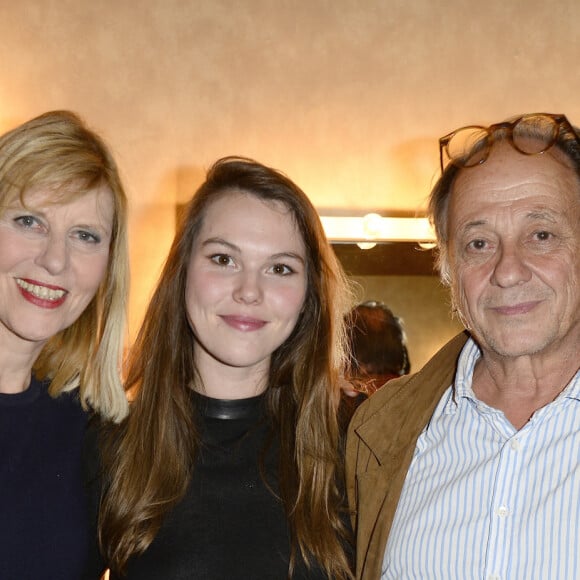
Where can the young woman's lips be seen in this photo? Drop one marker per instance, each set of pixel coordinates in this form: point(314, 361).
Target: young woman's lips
point(40, 294)
point(522, 308)
point(244, 323)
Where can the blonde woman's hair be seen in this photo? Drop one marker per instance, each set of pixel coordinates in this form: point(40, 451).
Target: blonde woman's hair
point(57, 151)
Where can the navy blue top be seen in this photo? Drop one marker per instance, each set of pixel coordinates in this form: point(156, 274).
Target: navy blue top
point(43, 523)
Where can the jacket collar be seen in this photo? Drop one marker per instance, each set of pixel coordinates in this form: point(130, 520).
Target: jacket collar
point(425, 388)
point(379, 487)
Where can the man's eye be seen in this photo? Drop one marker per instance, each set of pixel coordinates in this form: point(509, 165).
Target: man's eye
point(477, 244)
point(543, 236)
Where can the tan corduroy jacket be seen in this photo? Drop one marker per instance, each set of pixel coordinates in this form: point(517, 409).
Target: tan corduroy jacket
point(381, 440)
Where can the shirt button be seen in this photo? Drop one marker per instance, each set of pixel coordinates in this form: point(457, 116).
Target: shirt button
point(515, 445)
point(502, 511)
point(494, 577)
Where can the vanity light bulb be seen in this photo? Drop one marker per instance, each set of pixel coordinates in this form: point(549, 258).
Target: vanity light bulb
point(372, 225)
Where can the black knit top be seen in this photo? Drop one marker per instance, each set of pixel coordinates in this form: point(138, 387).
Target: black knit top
point(230, 525)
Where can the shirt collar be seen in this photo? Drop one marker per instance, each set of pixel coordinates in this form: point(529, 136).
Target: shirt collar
point(572, 391)
point(469, 356)
point(462, 387)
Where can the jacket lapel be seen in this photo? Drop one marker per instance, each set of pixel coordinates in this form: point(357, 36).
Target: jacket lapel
point(388, 430)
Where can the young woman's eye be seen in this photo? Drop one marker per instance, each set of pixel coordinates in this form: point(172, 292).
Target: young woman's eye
point(222, 259)
point(282, 269)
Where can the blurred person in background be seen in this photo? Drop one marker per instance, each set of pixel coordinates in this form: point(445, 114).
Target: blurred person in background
point(378, 354)
point(378, 344)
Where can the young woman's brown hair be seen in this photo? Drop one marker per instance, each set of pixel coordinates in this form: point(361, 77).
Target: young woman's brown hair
point(150, 458)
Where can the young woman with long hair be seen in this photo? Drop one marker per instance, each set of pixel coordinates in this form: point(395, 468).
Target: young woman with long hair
point(229, 464)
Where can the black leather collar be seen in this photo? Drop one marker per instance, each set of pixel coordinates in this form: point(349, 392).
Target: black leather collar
point(229, 409)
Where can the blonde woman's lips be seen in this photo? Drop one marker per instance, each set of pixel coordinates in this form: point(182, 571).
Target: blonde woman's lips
point(42, 295)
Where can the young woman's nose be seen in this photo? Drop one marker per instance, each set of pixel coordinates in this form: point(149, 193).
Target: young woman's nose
point(248, 289)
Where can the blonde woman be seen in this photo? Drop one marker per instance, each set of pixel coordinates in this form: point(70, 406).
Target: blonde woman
point(63, 281)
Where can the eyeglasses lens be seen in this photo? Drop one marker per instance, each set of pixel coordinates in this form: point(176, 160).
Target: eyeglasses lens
point(534, 134)
point(469, 146)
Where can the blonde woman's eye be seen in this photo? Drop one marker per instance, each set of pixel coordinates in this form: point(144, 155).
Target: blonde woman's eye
point(26, 221)
point(88, 237)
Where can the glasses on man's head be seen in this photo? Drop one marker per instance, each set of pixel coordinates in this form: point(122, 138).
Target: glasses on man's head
point(528, 134)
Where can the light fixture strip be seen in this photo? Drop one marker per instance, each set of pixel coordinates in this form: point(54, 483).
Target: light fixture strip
point(377, 229)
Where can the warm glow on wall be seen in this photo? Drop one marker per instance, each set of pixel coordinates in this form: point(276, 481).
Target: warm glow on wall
point(374, 228)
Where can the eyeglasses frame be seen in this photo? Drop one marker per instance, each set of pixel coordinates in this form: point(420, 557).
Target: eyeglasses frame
point(509, 126)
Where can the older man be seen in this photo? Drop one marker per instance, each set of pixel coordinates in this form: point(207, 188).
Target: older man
point(470, 469)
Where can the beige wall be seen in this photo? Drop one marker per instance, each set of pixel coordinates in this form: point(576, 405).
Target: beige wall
point(347, 96)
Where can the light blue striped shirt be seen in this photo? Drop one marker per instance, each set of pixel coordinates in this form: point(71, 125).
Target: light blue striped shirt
point(484, 501)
